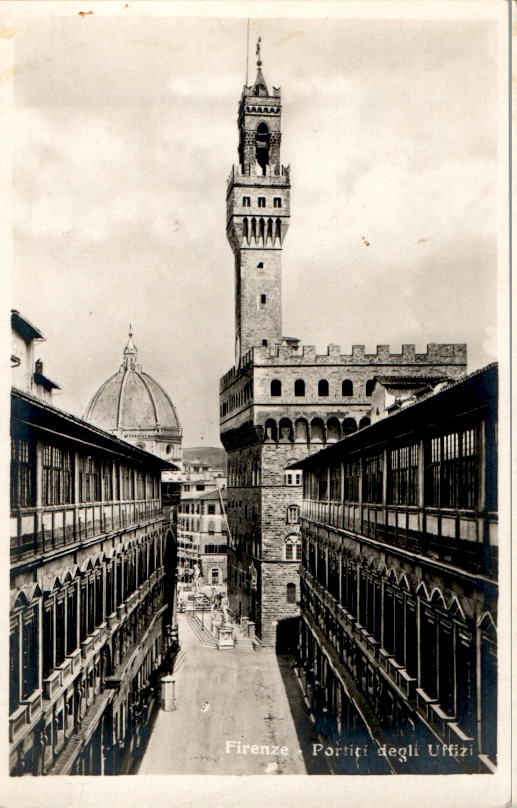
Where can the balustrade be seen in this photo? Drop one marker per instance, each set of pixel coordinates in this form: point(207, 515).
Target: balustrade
point(451, 536)
point(61, 525)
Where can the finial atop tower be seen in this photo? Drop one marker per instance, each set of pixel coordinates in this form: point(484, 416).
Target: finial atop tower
point(260, 86)
point(130, 351)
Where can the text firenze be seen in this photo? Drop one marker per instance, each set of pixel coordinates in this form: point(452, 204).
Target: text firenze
point(238, 748)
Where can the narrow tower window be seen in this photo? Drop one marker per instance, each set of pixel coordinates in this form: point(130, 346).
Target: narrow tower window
point(276, 387)
point(262, 201)
point(278, 232)
point(246, 202)
point(347, 387)
point(277, 202)
point(369, 386)
point(291, 593)
point(260, 265)
point(299, 387)
point(263, 300)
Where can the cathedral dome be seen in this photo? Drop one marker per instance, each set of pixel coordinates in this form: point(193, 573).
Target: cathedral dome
point(134, 406)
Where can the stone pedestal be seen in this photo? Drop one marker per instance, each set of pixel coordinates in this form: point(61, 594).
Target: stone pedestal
point(168, 693)
point(225, 637)
point(251, 630)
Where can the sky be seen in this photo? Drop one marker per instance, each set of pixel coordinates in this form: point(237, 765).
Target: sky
point(125, 132)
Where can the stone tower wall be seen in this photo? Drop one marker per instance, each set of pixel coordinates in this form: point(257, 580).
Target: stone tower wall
point(258, 274)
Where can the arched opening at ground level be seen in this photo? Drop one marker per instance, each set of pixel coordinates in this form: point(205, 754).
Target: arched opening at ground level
point(287, 634)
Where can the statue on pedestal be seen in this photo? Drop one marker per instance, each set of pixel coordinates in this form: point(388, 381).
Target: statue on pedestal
point(197, 573)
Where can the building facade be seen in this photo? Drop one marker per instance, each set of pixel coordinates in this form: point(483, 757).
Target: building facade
point(398, 644)
point(203, 533)
point(133, 406)
point(92, 581)
point(27, 372)
point(281, 400)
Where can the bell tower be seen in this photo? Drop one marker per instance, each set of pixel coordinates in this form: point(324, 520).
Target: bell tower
point(258, 217)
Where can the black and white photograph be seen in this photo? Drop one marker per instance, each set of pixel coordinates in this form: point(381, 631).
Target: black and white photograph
point(258, 495)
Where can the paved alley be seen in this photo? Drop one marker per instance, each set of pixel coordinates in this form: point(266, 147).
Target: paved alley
point(232, 715)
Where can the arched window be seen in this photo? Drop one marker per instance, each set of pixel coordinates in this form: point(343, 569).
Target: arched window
point(293, 549)
point(291, 593)
point(299, 387)
point(369, 386)
point(254, 228)
point(276, 387)
point(245, 228)
point(262, 227)
point(270, 229)
point(293, 514)
point(323, 387)
point(347, 387)
point(278, 230)
point(364, 422)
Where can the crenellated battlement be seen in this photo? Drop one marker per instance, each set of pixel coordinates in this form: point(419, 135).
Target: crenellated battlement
point(437, 354)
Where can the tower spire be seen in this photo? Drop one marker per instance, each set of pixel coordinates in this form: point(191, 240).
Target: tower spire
point(260, 86)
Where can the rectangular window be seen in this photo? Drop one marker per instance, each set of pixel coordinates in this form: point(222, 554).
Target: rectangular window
point(14, 665)
point(452, 470)
point(322, 485)
point(60, 630)
point(335, 483)
point(403, 475)
point(57, 479)
point(211, 509)
point(89, 480)
point(262, 201)
point(140, 491)
point(352, 475)
point(263, 300)
point(30, 646)
point(23, 470)
point(294, 478)
point(127, 482)
point(116, 483)
point(107, 480)
point(277, 202)
point(48, 637)
point(71, 620)
point(246, 201)
point(372, 479)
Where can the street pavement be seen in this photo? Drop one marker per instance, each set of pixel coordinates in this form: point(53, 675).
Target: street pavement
point(232, 716)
